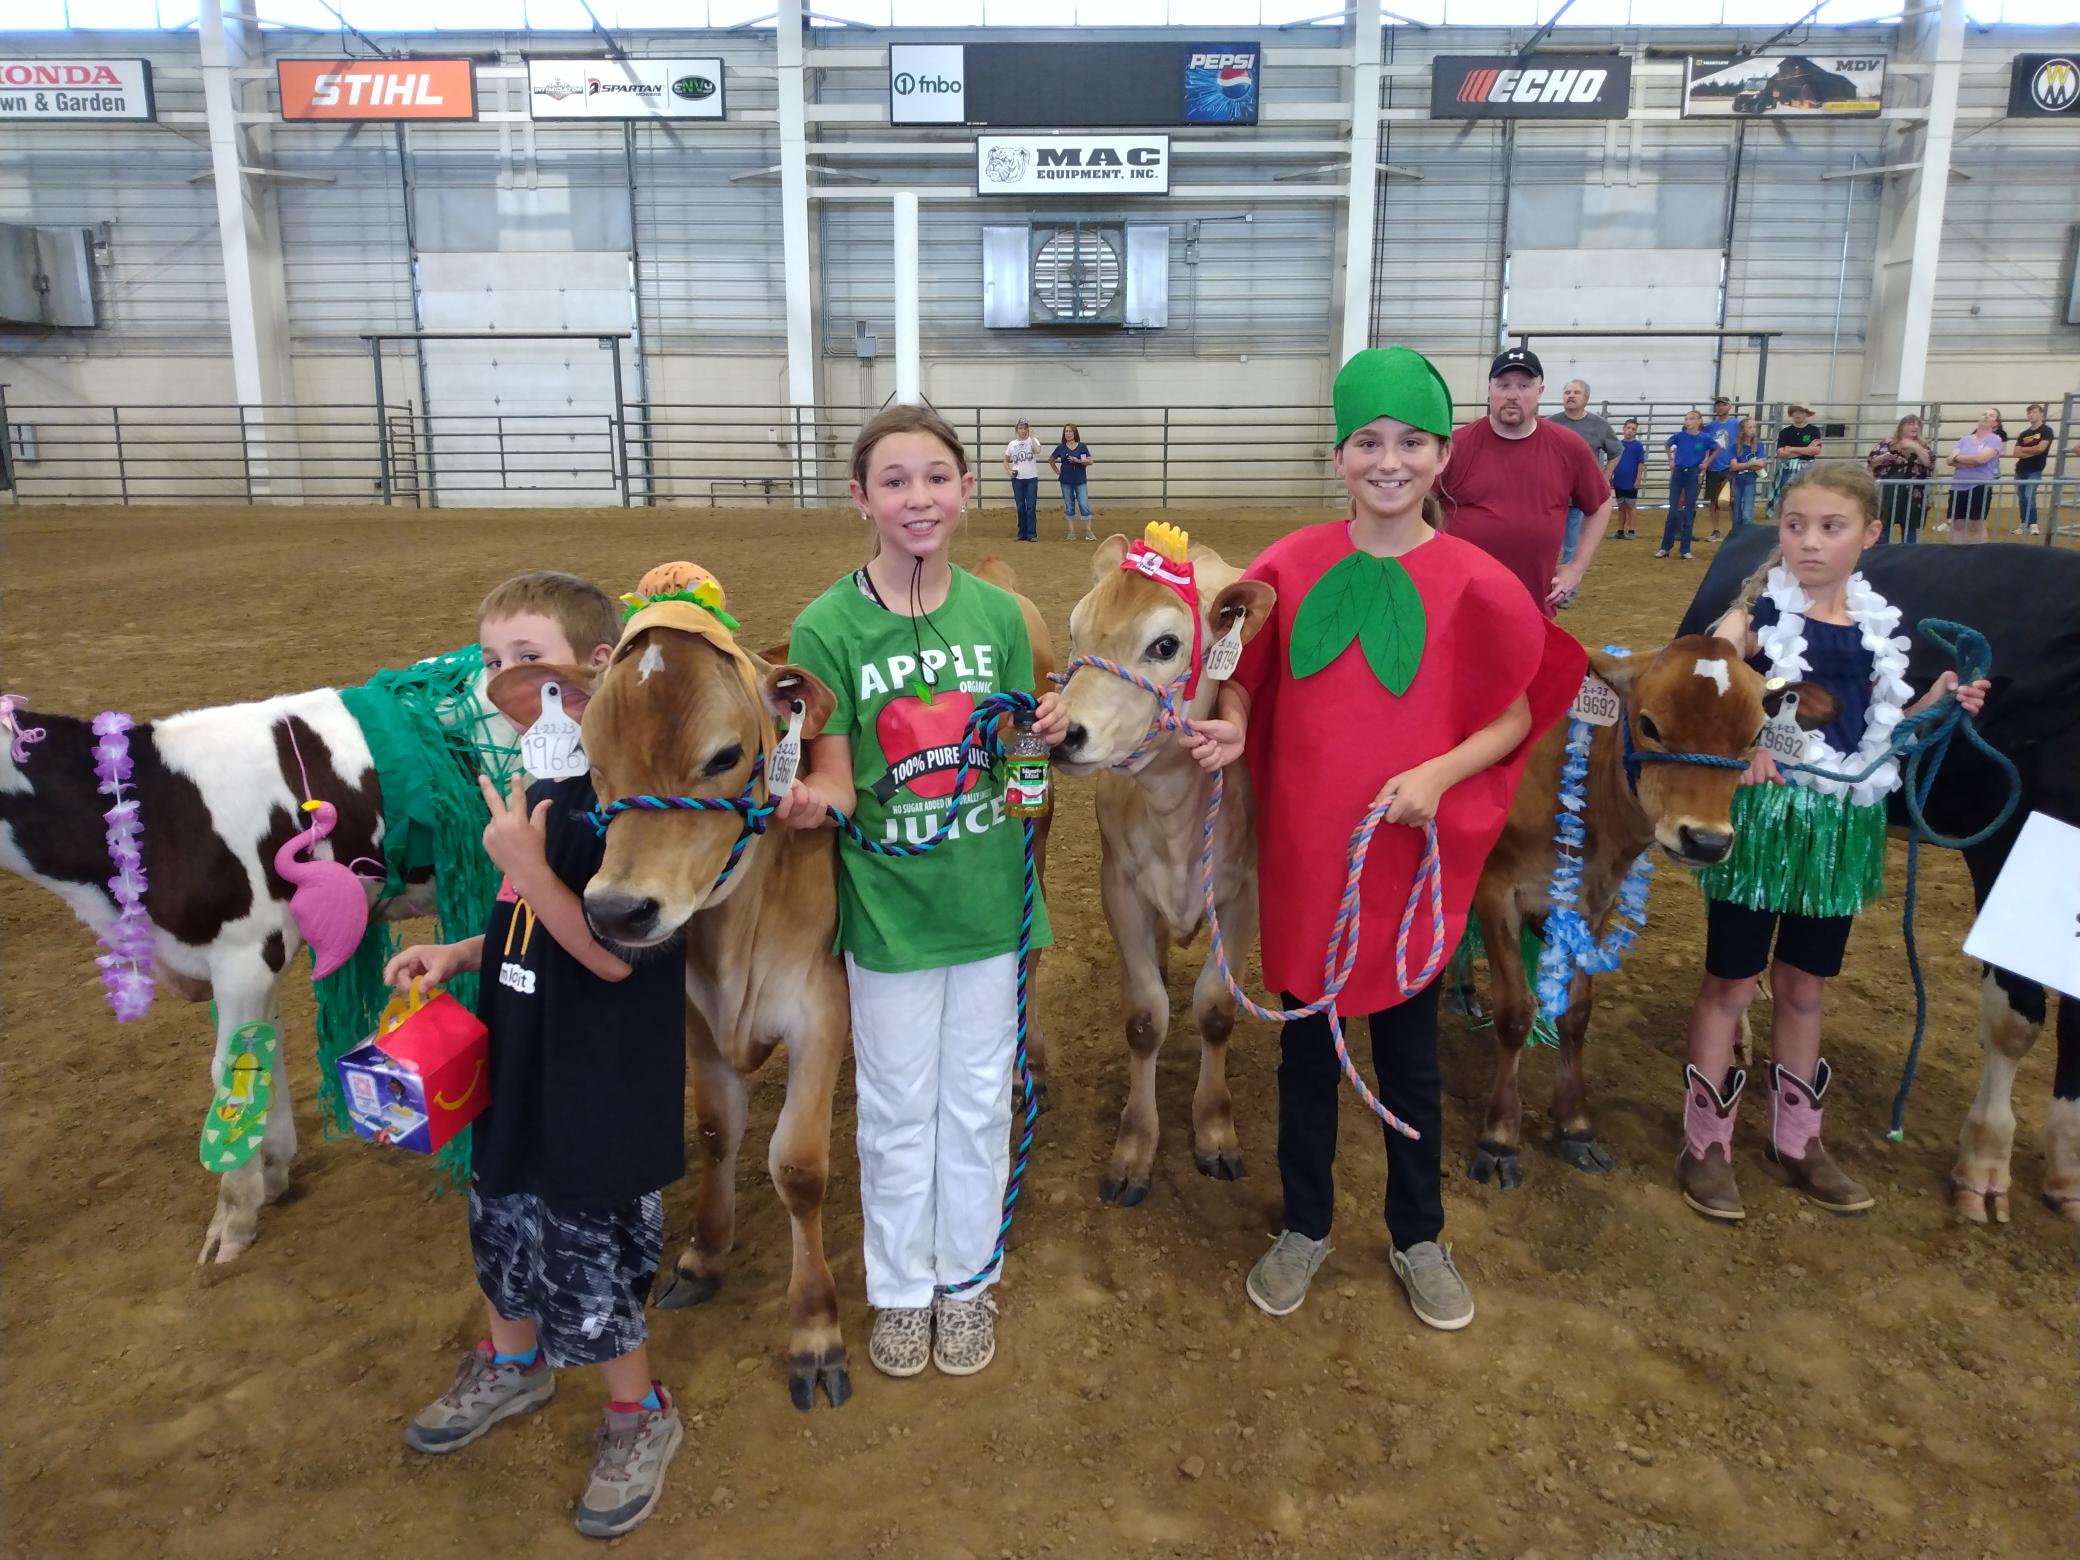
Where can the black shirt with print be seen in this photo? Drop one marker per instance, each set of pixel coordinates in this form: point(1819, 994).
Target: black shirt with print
point(1791, 436)
point(2030, 462)
point(588, 1076)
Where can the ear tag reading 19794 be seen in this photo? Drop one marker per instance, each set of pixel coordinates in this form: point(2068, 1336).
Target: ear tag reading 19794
point(1781, 737)
point(787, 752)
point(550, 749)
point(1225, 653)
point(1598, 702)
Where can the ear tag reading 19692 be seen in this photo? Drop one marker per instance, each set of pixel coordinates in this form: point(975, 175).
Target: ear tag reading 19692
point(1225, 653)
point(550, 749)
point(1781, 737)
point(786, 761)
point(1598, 702)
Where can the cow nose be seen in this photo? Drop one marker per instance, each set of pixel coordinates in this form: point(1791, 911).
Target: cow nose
point(1074, 739)
point(1705, 844)
point(621, 915)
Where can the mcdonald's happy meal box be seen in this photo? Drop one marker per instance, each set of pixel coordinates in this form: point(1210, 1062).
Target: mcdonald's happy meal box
point(423, 1075)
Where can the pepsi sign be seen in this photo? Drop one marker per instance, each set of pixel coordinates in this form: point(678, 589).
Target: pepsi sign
point(1220, 84)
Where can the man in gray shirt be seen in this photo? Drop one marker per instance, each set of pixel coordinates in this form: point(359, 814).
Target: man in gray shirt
point(1604, 444)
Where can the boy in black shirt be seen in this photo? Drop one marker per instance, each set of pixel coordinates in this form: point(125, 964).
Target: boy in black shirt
point(587, 1116)
point(2032, 450)
point(1798, 446)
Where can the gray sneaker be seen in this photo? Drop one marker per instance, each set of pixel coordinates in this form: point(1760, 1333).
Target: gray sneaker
point(964, 1333)
point(1278, 1283)
point(630, 1454)
point(1439, 1295)
point(901, 1343)
point(483, 1394)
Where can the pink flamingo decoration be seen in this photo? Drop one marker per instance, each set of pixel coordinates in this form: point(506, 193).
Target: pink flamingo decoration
point(330, 903)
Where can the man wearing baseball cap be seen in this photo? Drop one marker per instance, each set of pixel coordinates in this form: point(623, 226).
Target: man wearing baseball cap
point(1798, 446)
point(1512, 478)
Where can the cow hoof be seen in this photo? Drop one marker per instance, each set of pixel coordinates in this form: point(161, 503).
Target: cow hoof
point(1127, 1191)
point(682, 1290)
point(1584, 1153)
point(1223, 1166)
point(2067, 1208)
point(1493, 1162)
point(807, 1372)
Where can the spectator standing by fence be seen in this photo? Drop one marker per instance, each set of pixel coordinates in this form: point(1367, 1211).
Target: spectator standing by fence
point(1625, 478)
point(1071, 462)
point(1595, 432)
point(1022, 462)
point(1724, 427)
point(1975, 462)
point(2032, 450)
point(1902, 464)
point(1798, 446)
point(1750, 460)
point(1688, 450)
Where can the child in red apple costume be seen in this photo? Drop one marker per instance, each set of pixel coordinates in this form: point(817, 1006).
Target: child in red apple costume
point(1399, 663)
point(910, 645)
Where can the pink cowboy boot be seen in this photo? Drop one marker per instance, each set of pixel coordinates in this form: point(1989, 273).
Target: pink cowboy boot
point(1794, 1141)
point(1704, 1169)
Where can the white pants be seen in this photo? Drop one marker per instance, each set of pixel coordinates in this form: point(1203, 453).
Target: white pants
point(934, 1052)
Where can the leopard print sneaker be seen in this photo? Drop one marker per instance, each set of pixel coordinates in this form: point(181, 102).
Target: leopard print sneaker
point(901, 1344)
point(966, 1333)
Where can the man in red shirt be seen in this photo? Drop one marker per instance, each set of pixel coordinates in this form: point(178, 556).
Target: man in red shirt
point(1512, 479)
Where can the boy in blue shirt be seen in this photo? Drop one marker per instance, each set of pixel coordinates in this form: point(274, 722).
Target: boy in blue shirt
point(1632, 460)
point(1688, 450)
point(1724, 427)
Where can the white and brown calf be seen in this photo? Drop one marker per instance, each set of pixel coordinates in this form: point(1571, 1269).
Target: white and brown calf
point(1149, 819)
point(218, 791)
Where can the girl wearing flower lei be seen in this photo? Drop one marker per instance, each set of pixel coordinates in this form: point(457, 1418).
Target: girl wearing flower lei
point(1809, 850)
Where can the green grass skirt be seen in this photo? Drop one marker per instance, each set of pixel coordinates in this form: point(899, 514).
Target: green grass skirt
point(1799, 852)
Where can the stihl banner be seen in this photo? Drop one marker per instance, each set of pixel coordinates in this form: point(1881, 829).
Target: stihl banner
point(377, 89)
point(75, 89)
point(1537, 86)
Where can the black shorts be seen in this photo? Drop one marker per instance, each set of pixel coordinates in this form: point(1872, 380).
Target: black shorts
point(1737, 939)
point(1970, 501)
point(1715, 484)
point(582, 1277)
point(1624, 495)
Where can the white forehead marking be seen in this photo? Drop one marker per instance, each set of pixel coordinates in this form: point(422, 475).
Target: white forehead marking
point(653, 661)
point(1716, 671)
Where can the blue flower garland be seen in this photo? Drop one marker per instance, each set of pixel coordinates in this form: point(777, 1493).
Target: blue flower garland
point(1570, 945)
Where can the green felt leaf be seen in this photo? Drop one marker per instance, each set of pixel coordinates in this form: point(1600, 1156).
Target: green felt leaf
point(1392, 633)
point(1371, 600)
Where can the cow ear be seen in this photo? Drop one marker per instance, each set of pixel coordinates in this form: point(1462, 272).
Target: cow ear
point(1617, 670)
point(1253, 599)
point(785, 683)
point(1816, 706)
point(1106, 560)
point(773, 655)
point(516, 692)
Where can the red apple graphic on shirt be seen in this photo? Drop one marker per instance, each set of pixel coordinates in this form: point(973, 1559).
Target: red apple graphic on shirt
point(922, 743)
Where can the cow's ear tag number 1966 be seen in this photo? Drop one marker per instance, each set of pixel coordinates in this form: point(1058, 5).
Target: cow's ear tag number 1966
point(786, 761)
point(550, 748)
point(1225, 653)
point(1781, 736)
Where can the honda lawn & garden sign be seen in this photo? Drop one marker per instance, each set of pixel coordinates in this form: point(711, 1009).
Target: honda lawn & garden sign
point(78, 90)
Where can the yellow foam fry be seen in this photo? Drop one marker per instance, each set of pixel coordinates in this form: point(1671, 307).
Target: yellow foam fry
point(1168, 540)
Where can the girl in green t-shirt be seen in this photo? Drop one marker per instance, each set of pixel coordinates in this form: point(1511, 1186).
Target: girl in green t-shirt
point(910, 645)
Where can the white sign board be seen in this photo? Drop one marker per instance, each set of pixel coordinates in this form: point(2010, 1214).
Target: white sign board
point(624, 89)
point(927, 84)
point(75, 90)
point(1072, 165)
point(2030, 923)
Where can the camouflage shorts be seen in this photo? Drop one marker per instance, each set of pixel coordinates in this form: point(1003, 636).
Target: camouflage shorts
point(581, 1276)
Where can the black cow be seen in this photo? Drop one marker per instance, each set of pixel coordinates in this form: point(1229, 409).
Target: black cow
point(2026, 600)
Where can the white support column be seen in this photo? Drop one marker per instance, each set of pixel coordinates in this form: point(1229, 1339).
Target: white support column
point(788, 28)
point(1911, 223)
point(1362, 198)
point(250, 239)
point(909, 386)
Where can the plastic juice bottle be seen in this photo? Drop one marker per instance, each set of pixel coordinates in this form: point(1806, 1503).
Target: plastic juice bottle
point(1026, 779)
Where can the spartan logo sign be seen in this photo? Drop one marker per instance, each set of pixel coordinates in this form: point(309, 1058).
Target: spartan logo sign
point(1006, 164)
point(2056, 85)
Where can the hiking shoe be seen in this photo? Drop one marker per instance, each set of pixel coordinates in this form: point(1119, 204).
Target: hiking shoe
point(1439, 1295)
point(901, 1344)
point(964, 1333)
point(483, 1394)
point(630, 1452)
point(1278, 1283)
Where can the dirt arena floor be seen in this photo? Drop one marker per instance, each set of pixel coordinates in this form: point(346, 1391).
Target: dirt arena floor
point(1638, 1382)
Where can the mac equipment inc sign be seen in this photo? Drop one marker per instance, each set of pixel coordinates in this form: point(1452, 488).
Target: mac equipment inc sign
point(1072, 165)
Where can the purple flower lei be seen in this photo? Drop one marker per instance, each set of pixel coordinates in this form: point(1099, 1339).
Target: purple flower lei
point(126, 968)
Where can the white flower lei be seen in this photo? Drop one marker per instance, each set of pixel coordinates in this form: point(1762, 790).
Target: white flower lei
point(1784, 643)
